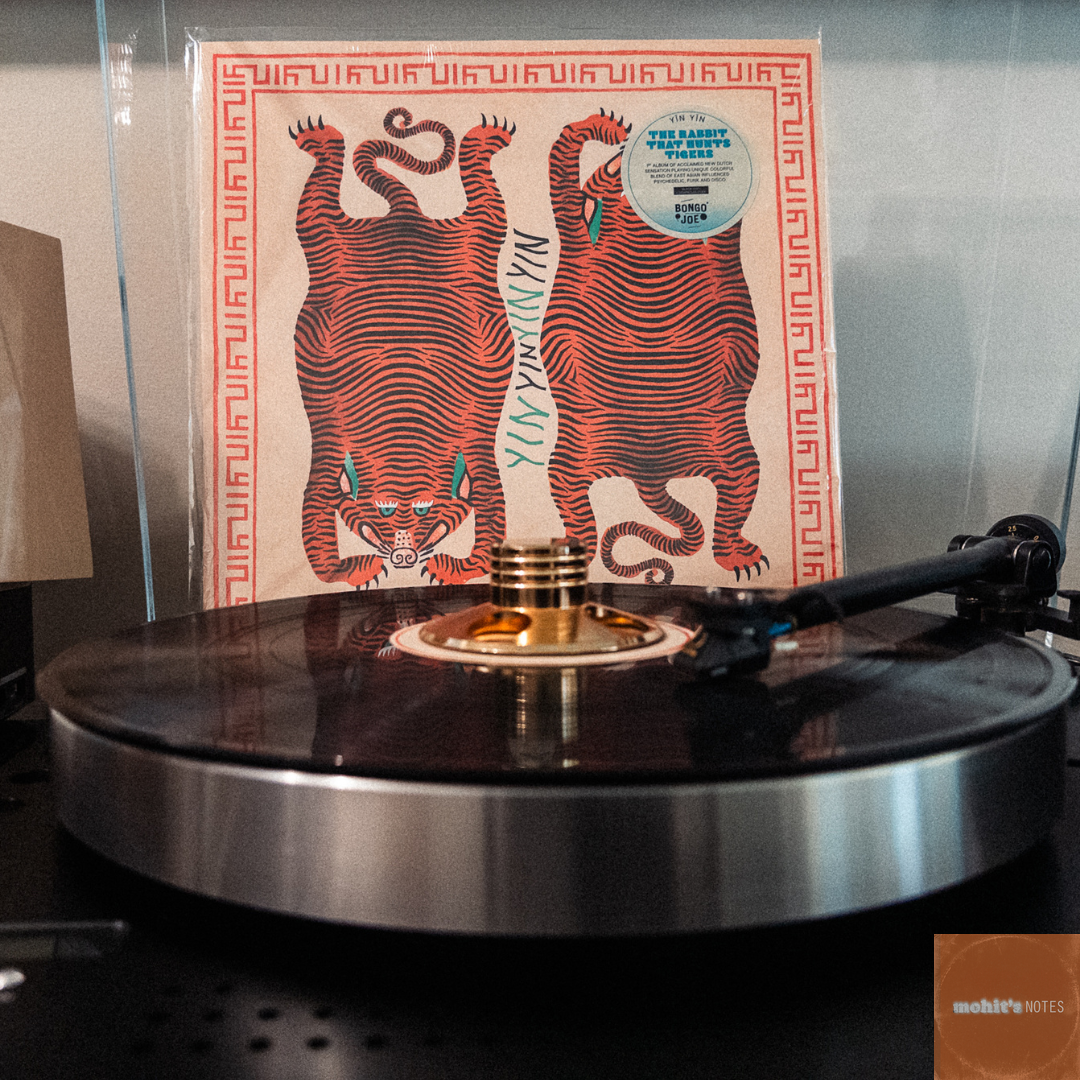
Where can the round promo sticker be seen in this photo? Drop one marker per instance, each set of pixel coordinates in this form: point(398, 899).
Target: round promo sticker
point(689, 174)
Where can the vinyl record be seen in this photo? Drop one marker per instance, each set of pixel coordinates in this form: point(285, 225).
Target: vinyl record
point(289, 755)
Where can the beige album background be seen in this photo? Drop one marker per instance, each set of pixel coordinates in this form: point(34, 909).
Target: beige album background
point(254, 277)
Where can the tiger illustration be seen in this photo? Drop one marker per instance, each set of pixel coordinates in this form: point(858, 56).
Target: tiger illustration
point(650, 344)
point(403, 354)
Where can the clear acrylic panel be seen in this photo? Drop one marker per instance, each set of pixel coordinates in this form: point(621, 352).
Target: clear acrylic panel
point(951, 215)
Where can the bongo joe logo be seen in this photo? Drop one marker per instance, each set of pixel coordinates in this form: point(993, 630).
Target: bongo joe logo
point(689, 174)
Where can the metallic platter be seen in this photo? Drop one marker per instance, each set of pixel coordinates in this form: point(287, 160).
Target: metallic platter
point(285, 755)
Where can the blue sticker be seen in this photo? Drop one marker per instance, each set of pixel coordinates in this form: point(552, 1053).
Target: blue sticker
point(689, 173)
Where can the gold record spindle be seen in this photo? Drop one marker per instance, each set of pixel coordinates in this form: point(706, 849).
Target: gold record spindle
point(539, 607)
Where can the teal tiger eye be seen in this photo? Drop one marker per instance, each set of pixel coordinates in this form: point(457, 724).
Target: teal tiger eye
point(387, 511)
point(420, 511)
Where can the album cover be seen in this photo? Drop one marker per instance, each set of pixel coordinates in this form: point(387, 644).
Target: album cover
point(455, 292)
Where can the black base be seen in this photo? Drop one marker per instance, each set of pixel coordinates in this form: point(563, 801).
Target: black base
point(197, 988)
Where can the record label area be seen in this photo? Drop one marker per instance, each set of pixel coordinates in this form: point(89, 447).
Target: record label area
point(288, 756)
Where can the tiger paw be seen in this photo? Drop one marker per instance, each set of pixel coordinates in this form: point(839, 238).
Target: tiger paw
point(315, 137)
point(488, 137)
point(362, 571)
point(446, 570)
point(601, 127)
point(744, 558)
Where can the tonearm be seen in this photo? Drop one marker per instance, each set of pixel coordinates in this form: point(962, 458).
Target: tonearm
point(1005, 579)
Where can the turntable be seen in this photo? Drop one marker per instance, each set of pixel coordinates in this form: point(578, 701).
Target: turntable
point(566, 760)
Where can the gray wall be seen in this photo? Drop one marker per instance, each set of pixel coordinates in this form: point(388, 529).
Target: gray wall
point(951, 152)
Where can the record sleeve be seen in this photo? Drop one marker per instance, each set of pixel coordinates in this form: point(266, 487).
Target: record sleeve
point(459, 291)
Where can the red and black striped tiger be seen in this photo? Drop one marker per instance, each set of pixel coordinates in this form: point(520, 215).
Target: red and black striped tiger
point(650, 344)
point(404, 354)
